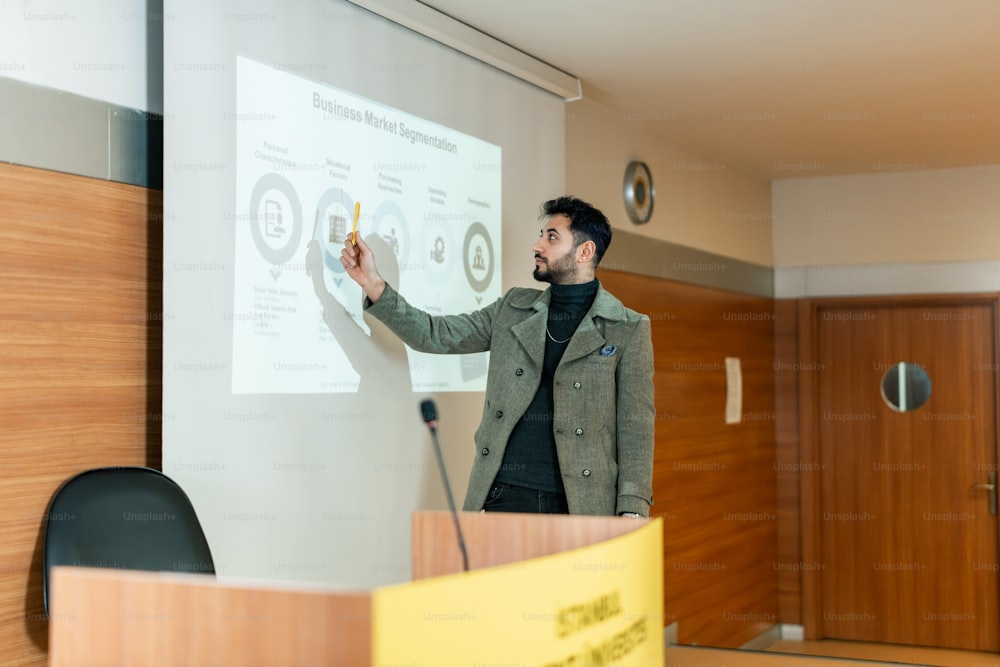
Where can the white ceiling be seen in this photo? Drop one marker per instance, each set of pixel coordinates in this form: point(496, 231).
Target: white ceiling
point(780, 88)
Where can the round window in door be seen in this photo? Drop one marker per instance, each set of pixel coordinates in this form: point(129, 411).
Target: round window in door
point(906, 386)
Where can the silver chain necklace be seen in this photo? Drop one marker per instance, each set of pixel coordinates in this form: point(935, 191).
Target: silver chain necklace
point(553, 338)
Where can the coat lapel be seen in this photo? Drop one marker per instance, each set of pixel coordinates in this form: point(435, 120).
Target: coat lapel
point(530, 332)
point(587, 339)
point(589, 336)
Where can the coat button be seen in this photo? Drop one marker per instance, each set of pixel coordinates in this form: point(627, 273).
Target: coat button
point(577, 385)
point(499, 414)
point(486, 451)
point(519, 372)
point(586, 472)
point(579, 431)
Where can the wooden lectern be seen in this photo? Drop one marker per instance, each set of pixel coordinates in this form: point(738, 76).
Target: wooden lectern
point(500, 539)
point(114, 617)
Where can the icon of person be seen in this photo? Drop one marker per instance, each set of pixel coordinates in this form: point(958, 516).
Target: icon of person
point(393, 241)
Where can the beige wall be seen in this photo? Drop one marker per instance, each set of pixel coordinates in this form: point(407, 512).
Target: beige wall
point(899, 218)
point(701, 203)
point(929, 216)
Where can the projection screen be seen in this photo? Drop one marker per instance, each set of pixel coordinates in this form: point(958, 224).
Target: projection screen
point(289, 417)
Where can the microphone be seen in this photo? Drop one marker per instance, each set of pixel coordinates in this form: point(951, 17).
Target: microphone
point(428, 411)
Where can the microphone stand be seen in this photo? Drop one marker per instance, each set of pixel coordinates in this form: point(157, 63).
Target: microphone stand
point(432, 425)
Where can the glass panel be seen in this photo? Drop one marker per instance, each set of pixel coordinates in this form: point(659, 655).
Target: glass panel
point(906, 386)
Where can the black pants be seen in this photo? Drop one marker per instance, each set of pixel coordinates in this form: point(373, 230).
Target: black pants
point(510, 498)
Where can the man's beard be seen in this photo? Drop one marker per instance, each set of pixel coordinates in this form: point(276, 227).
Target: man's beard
point(556, 272)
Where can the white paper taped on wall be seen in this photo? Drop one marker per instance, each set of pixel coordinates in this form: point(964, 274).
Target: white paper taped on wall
point(734, 391)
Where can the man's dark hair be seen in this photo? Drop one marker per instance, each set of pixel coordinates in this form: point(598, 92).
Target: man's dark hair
point(586, 222)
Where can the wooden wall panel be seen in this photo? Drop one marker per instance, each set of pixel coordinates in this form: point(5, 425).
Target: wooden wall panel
point(714, 483)
point(788, 462)
point(80, 361)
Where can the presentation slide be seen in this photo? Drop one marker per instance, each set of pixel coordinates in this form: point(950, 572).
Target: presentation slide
point(428, 203)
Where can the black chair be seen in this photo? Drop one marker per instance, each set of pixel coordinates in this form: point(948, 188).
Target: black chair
point(131, 518)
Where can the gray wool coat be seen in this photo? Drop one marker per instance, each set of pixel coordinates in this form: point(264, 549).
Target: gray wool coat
point(604, 415)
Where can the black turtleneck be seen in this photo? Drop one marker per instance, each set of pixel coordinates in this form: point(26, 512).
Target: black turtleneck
point(530, 459)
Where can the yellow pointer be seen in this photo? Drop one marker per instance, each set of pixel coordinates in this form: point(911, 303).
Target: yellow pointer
point(357, 212)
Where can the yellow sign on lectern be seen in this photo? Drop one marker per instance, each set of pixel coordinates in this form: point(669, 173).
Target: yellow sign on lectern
point(596, 606)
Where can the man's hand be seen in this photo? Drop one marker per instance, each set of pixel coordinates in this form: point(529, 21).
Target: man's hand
point(359, 262)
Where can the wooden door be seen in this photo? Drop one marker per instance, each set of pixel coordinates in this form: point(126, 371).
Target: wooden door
point(907, 544)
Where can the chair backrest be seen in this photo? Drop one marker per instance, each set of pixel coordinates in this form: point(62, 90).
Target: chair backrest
point(130, 518)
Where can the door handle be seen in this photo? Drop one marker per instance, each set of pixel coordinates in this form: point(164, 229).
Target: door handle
point(992, 488)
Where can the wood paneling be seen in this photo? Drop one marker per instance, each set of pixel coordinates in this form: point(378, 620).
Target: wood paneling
point(497, 538)
point(714, 483)
point(80, 361)
point(788, 463)
point(112, 617)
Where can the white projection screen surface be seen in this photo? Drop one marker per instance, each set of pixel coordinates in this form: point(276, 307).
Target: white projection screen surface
point(290, 417)
point(431, 201)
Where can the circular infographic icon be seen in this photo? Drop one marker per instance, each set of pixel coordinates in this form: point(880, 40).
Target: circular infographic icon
point(391, 225)
point(438, 252)
point(334, 223)
point(275, 218)
point(479, 258)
